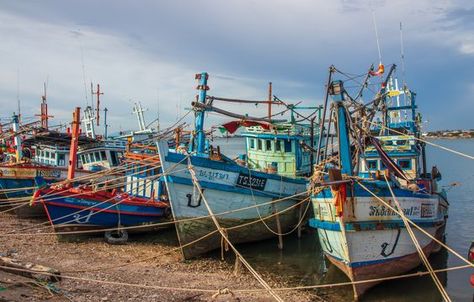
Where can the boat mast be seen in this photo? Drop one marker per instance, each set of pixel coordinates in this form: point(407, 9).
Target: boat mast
point(345, 158)
point(88, 121)
point(44, 110)
point(199, 121)
point(138, 110)
point(74, 143)
point(105, 123)
point(270, 101)
point(97, 109)
point(17, 139)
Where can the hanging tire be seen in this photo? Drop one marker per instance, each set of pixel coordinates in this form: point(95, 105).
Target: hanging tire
point(116, 237)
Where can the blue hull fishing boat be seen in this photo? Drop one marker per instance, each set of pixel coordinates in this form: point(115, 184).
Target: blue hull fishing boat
point(250, 204)
point(378, 184)
point(87, 207)
point(77, 208)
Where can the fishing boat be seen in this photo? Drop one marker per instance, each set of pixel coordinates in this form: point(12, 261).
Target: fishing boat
point(375, 169)
point(46, 157)
point(251, 204)
point(73, 208)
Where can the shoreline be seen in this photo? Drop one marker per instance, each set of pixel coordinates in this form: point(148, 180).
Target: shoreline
point(148, 259)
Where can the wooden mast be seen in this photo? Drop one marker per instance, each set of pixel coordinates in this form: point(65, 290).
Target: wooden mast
point(44, 110)
point(76, 122)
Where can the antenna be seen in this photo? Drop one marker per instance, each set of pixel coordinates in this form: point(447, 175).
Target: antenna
point(83, 71)
point(97, 109)
point(18, 93)
point(377, 37)
point(402, 55)
point(158, 110)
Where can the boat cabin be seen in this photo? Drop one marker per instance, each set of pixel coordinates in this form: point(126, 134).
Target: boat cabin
point(401, 149)
point(280, 151)
point(102, 155)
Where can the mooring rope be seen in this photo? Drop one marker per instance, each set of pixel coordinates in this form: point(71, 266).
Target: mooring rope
point(416, 226)
point(220, 229)
point(419, 249)
point(423, 140)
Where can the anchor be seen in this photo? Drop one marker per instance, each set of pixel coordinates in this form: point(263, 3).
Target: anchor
point(190, 201)
point(386, 244)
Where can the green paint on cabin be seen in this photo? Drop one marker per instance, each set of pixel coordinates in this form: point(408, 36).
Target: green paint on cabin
point(279, 151)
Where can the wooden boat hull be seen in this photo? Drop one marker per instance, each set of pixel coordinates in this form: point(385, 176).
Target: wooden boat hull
point(233, 203)
point(68, 210)
point(374, 242)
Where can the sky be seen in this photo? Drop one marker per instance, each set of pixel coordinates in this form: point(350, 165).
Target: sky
point(148, 51)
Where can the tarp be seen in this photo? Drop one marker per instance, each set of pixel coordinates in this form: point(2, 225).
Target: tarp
point(231, 127)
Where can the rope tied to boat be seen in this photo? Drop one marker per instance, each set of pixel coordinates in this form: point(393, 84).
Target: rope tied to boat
point(221, 292)
point(224, 243)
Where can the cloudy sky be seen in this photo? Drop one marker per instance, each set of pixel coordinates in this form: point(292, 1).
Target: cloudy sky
point(149, 51)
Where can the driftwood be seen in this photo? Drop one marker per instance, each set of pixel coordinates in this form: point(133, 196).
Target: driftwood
point(30, 270)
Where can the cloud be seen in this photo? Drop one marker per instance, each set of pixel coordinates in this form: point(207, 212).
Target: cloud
point(151, 51)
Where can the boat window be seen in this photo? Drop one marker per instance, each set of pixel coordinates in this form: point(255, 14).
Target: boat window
point(90, 158)
point(287, 146)
point(47, 154)
point(401, 142)
point(259, 144)
point(277, 145)
point(268, 145)
point(62, 159)
point(252, 143)
point(113, 156)
point(382, 166)
point(372, 164)
point(97, 156)
point(103, 155)
point(405, 164)
point(53, 155)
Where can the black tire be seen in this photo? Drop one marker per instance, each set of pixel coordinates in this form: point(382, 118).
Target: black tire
point(116, 237)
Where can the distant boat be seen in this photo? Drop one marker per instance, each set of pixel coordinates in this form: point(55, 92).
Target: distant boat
point(360, 234)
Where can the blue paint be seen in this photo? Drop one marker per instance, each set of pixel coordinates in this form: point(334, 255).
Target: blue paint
point(65, 210)
point(226, 188)
point(368, 225)
point(228, 166)
point(199, 121)
point(363, 263)
point(343, 137)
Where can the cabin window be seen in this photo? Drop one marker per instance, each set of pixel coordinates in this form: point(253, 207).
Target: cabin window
point(401, 142)
point(252, 143)
point(372, 165)
point(382, 166)
point(113, 155)
point(268, 145)
point(405, 164)
point(53, 155)
point(61, 159)
point(103, 155)
point(97, 156)
point(47, 154)
point(259, 144)
point(287, 146)
point(277, 145)
point(90, 159)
